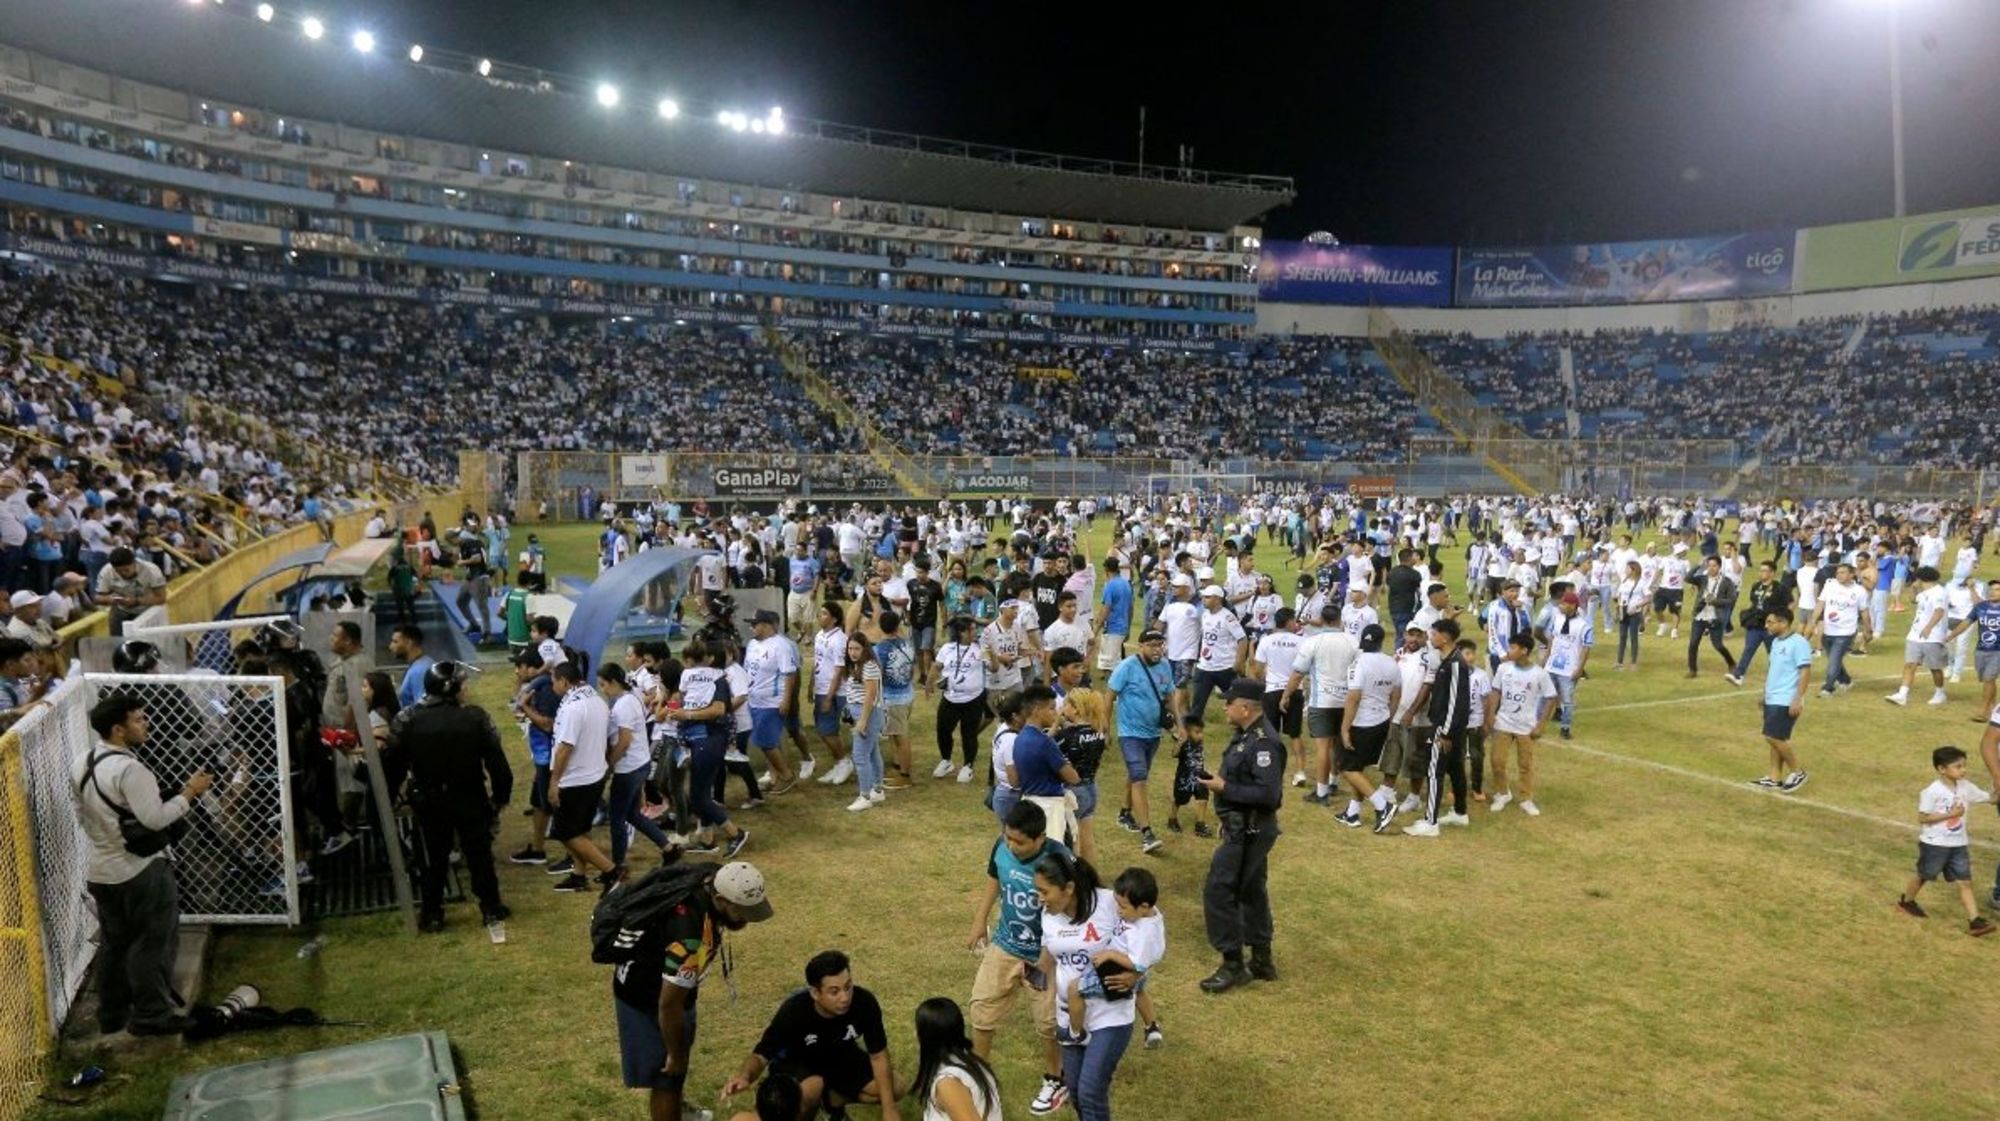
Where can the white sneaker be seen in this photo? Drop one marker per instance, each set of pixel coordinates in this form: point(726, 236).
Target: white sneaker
point(1410, 805)
point(1298, 778)
point(1530, 808)
point(1454, 819)
point(842, 771)
point(1937, 698)
point(764, 780)
point(696, 1113)
point(734, 756)
point(1420, 829)
point(942, 769)
point(1955, 678)
point(964, 775)
point(807, 768)
point(1660, 631)
point(1500, 801)
point(1899, 697)
point(1676, 633)
point(878, 795)
point(859, 804)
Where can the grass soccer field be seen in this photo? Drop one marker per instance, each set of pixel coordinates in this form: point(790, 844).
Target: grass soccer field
point(1664, 942)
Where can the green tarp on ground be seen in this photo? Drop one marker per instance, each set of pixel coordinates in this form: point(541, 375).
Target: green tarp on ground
point(401, 1078)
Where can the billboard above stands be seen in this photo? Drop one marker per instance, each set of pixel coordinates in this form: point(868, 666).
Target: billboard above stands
point(1295, 272)
point(1953, 245)
point(1727, 267)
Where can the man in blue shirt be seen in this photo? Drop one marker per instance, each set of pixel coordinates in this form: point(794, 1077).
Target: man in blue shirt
point(801, 585)
point(1148, 706)
point(1986, 656)
point(1015, 945)
point(1114, 616)
point(535, 706)
point(406, 642)
point(1785, 684)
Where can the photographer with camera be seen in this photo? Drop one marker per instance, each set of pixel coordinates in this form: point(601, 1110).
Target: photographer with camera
point(129, 828)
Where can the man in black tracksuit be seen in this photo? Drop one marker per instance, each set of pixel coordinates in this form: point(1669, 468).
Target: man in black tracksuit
point(1450, 711)
point(1236, 900)
point(453, 754)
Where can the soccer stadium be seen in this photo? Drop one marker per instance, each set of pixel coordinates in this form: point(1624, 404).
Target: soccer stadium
point(537, 593)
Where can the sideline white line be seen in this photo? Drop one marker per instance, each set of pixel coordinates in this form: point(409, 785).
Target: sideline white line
point(1746, 691)
point(1745, 787)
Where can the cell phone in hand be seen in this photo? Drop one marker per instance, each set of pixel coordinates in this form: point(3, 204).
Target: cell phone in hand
point(1037, 980)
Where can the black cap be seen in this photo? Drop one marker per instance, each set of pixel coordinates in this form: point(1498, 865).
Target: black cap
point(1372, 636)
point(1247, 691)
point(766, 615)
point(1151, 634)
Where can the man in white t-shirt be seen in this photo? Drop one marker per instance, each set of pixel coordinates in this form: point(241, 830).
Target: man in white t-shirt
point(577, 769)
point(1570, 638)
point(1374, 694)
point(1320, 665)
point(1843, 605)
point(1067, 632)
point(1517, 707)
point(1224, 645)
point(1272, 660)
point(1925, 645)
point(1181, 620)
point(1669, 591)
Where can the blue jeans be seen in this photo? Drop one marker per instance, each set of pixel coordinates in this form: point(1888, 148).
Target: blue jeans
point(1754, 639)
point(866, 750)
point(628, 790)
point(1836, 647)
point(1005, 798)
point(707, 751)
point(1565, 699)
point(1087, 1071)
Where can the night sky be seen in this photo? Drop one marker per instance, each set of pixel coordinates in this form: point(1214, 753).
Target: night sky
point(1414, 121)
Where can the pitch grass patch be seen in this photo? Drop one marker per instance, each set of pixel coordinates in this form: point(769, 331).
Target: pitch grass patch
point(1655, 945)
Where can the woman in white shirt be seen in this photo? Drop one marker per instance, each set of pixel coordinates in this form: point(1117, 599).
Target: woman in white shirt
point(631, 759)
point(961, 670)
point(829, 658)
point(1632, 596)
point(953, 1082)
point(1079, 921)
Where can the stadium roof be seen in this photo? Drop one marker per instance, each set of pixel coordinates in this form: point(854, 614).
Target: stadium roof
point(244, 63)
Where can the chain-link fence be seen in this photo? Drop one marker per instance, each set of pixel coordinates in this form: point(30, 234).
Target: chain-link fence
point(237, 862)
point(26, 1004)
point(52, 740)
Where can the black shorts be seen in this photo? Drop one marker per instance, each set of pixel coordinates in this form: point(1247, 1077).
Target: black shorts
point(1493, 584)
point(576, 810)
point(1287, 719)
point(1778, 722)
point(1323, 723)
point(841, 1070)
point(1364, 749)
point(1668, 599)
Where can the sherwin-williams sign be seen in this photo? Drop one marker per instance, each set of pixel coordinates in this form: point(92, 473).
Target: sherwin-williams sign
point(1953, 245)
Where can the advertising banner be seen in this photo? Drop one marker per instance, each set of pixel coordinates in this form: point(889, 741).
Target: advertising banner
point(1727, 267)
point(783, 477)
point(1296, 272)
point(991, 482)
point(1952, 245)
point(642, 470)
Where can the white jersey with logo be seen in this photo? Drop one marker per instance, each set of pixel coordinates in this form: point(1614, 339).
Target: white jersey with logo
point(1276, 651)
point(1371, 685)
point(1841, 607)
point(829, 651)
point(1522, 692)
point(1568, 637)
point(1220, 632)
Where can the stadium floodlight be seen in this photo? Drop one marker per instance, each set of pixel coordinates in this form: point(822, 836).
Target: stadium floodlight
point(607, 94)
point(757, 126)
point(775, 126)
point(266, 12)
point(777, 112)
point(416, 52)
point(364, 41)
point(738, 122)
point(669, 108)
point(313, 28)
point(485, 67)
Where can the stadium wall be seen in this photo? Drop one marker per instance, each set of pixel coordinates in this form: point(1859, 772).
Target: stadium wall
point(1282, 319)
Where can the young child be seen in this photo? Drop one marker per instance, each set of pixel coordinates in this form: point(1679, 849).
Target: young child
point(1942, 844)
point(1138, 945)
point(1475, 728)
point(1188, 762)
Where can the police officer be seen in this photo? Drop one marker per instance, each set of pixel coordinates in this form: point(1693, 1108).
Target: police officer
point(453, 753)
point(1236, 900)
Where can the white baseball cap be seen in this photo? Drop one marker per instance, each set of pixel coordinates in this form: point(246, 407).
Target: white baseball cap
point(1680, 547)
point(1182, 580)
point(741, 885)
point(1213, 590)
point(23, 598)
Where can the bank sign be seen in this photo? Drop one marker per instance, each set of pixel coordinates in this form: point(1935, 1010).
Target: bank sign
point(1950, 243)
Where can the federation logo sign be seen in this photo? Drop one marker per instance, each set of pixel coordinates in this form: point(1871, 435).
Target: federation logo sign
point(1957, 243)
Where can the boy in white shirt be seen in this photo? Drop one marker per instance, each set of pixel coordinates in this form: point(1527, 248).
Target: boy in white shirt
point(1139, 944)
point(1943, 846)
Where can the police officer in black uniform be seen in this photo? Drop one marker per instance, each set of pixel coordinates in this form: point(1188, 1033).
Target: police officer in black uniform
point(1236, 900)
point(453, 753)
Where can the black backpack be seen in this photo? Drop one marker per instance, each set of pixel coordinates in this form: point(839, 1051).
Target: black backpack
point(622, 918)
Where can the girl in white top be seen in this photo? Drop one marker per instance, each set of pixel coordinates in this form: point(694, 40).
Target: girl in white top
point(631, 757)
point(1079, 922)
point(829, 655)
point(953, 1082)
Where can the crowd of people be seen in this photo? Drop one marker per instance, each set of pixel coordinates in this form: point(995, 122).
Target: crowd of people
point(1893, 388)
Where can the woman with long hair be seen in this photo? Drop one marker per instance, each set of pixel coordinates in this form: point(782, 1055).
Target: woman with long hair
point(829, 664)
point(703, 716)
point(1079, 915)
point(1632, 595)
point(863, 677)
point(953, 1082)
point(631, 763)
point(1083, 738)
